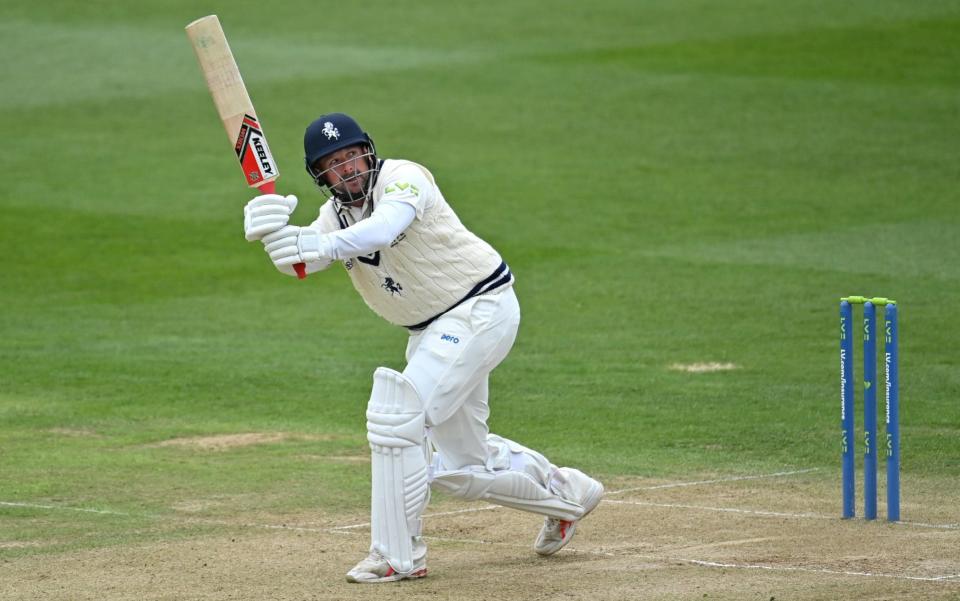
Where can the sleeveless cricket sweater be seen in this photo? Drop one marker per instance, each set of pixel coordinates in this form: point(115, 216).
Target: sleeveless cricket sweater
point(432, 266)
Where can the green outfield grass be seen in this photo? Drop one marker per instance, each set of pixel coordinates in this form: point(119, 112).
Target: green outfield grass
point(671, 183)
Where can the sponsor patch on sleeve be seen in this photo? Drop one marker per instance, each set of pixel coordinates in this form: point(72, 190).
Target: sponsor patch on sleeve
point(402, 188)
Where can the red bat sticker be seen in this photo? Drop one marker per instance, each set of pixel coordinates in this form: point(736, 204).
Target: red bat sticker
point(254, 154)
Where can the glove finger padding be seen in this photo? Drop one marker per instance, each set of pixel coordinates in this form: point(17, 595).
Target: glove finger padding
point(258, 227)
point(285, 236)
point(289, 201)
point(267, 213)
point(286, 254)
point(270, 210)
point(293, 244)
point(287, 261)
point(284, 232)
point(282, 246)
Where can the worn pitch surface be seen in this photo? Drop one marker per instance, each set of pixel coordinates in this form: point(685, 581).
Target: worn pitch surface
point(758, 537)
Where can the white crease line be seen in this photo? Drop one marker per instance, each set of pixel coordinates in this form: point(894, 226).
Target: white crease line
point(951, 578)
point(776, 514)
point(353, 526)
point(273, 527)
point(516, 546)
point(186, 519)
point(616, 492)
point(228, 523)
point(473, 510)
point(64, 508)
point(471, 541)
point(468, 510)
point(428, 515)
point(925, 525)
point(714, 564)
point(715, 481)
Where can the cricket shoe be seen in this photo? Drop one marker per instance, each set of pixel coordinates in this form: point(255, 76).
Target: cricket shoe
point(375, 568)
point(556, 533)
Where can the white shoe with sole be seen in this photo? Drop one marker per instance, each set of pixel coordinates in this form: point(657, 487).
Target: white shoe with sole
point(556, 533)
point(375, 568)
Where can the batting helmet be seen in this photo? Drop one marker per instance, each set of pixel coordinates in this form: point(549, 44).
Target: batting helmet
point(328, 134)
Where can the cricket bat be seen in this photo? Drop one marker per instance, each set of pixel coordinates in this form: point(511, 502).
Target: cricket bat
point(235, 108)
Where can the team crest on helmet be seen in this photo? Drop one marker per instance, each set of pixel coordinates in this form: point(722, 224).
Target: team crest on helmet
point(330, 130)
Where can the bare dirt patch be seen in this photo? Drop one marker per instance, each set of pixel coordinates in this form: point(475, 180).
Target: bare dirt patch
point(19, 544)
point(222, 442)
point(776, 537)
point(74, 432)
point(196, 505)
point(365, 458)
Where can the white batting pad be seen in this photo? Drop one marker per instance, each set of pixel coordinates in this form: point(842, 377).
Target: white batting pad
point(400, 490)
point(515, 477)
point(510, 489)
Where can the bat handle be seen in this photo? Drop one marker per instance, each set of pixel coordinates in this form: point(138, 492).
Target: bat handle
point(300, 268)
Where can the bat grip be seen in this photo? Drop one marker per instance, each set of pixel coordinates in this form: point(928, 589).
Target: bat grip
point(300, 268)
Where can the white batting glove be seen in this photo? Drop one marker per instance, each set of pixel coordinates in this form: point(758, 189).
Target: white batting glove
point(267, 213)
point(294, 244)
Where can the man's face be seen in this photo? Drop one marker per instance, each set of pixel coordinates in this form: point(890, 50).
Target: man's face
point(346, 170)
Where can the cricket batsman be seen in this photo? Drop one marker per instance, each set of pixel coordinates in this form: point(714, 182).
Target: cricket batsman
point(416, 265)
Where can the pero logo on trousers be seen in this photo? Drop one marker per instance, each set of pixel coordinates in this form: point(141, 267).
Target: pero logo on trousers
point(449, 338)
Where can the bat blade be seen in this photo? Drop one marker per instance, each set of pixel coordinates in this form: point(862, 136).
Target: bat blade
point(234, 106)
point(232, 100)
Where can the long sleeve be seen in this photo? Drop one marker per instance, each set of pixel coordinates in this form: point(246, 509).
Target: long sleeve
point(387, 222)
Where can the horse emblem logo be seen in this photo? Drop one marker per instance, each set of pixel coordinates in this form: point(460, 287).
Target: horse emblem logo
point(330, 130)
point(392, 287)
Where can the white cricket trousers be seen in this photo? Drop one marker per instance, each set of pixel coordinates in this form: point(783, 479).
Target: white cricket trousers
point(450, 362)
